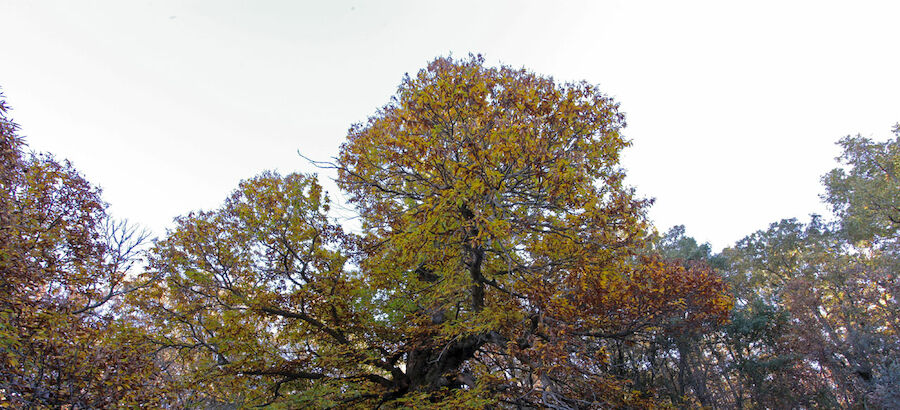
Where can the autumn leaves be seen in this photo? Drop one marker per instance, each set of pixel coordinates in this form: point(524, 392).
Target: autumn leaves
point(501, 258)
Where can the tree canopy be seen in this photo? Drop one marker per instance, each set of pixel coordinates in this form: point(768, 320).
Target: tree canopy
point(500, 261)
point(866, 194)
point(500, 253)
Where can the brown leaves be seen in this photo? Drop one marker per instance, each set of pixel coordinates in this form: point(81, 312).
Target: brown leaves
point(505, 188)
point(673, 296)
point(498, 259)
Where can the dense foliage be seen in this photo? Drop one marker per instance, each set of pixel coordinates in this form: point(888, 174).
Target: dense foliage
point(501, 262)
point(62, 264)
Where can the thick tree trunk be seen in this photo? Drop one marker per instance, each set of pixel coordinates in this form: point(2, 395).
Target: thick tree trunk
point(431, 369)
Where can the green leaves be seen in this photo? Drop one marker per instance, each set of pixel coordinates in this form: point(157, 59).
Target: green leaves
point(866, 194)
point(829, 288)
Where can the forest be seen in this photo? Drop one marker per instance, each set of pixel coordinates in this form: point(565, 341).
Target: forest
point(501, 261)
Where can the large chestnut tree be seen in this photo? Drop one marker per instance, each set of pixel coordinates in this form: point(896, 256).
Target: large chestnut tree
point(499, 255)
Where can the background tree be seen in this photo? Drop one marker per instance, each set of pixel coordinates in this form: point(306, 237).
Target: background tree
point(836, 284)
point(865, 195)
point(684, 363)
point(62, 264)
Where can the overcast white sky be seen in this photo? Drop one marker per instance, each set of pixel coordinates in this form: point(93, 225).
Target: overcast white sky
point(733, 107)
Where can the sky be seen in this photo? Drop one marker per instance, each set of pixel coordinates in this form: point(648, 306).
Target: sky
point(733, 108)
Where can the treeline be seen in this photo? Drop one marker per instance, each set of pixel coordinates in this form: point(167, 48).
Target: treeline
point(816, 315)
point(501, 263)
